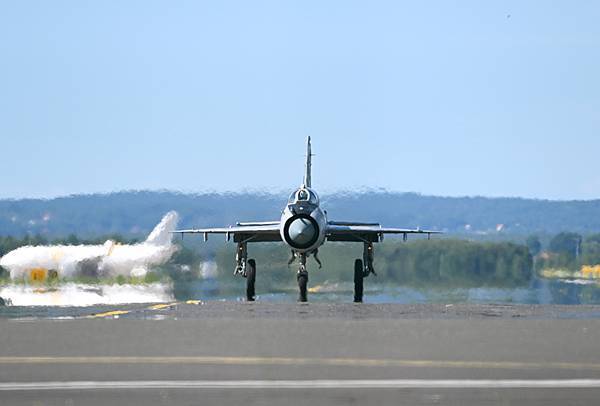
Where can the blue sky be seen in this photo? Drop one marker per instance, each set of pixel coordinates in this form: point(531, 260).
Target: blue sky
point(446, 98)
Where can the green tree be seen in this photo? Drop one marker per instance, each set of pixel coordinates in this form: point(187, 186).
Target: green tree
point(566, 243)
point(533, 244)
point(590, 252)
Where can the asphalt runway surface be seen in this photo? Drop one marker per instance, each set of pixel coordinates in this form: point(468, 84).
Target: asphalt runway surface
point(217, 353)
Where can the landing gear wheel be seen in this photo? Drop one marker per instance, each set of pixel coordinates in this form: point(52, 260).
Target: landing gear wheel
point(302, 283)
point(358, 281)
point(250, 280)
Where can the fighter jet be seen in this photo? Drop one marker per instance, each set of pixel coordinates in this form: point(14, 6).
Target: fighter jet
point(304, 227)
point(38, 263)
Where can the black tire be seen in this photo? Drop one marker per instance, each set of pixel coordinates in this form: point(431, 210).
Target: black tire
point(358, 281)
point(302, 285)
point(250, 280)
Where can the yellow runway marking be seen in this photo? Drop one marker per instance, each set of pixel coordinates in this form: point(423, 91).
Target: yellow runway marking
point(162, 306)
point(108, 314)
point(360, 362)
point(159, 306)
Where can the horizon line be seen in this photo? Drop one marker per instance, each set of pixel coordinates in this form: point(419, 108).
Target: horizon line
point(282, 192)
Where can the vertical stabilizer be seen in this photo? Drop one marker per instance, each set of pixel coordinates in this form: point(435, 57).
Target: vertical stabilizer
point(161, 235)
point(307, 180)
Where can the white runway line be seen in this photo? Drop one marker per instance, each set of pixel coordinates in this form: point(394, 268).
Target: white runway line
point(308, 384)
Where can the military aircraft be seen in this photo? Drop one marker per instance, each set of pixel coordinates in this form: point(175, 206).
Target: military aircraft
point(304, 227)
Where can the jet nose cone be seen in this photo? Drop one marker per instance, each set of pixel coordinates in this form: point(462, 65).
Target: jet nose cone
point(302, 231)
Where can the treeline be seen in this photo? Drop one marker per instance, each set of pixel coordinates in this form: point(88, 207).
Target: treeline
point(417, 263)
point(438, 262)
point(458, 262)
point(134, 214)
point(566, 250)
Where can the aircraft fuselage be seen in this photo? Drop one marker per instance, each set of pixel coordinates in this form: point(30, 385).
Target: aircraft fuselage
point(303, 223)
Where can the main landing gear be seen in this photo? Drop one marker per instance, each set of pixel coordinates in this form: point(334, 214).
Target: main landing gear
point(247, 269)
point(250, 279)
point(362, 269)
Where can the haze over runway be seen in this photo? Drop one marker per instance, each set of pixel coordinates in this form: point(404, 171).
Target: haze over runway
point(260, 353)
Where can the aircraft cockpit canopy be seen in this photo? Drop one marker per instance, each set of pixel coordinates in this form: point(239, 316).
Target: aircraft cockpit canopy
point(304, 195)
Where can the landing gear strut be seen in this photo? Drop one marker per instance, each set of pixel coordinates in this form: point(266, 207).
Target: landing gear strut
point(302, 278)
point(241, 259)
point(316, 256)
point(368, 255)
point(362, 269)
point(302, 274)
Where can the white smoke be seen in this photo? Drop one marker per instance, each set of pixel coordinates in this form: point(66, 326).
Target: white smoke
point(106, 260)
point(208, 270)
point(161, 235)
point(72, 294)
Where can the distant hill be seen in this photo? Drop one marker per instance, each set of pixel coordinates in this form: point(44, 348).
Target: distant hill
point(135, 213)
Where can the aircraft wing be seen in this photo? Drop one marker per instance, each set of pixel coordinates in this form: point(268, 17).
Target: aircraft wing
point(367, 232)
point(242, 232)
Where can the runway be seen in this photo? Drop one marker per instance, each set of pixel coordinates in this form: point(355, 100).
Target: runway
point(226, 353)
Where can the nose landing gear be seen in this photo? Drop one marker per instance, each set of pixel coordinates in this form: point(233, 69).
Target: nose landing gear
point(302, 278)
point(302, 275)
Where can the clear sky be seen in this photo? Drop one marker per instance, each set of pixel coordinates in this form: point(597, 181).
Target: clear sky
point(493, 98)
